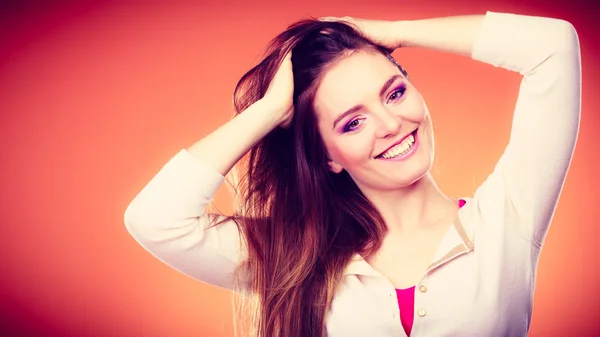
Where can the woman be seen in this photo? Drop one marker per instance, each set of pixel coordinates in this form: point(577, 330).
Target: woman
point(341, 230)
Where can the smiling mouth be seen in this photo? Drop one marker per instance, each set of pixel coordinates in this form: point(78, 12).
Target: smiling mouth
point(399, 148)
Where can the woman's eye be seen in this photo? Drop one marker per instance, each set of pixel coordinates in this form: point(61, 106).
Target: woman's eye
point(396, 94)
point(352, 125)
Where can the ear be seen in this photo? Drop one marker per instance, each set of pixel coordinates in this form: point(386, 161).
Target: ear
point(335, 167)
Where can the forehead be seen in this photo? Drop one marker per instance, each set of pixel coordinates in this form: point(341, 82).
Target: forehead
point(352, 80)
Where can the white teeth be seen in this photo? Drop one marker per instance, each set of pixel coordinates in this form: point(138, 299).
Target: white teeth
point(401, 148)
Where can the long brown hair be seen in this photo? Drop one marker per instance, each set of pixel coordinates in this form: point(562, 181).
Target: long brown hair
point(300, 223)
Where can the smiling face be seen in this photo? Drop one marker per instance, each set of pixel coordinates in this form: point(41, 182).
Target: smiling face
point(365, 109)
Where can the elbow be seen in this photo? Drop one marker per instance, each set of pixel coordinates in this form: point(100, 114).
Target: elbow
point(130, 218)
point(149, 225)
point(139, 224)
point(138, 221)
point(565, 38)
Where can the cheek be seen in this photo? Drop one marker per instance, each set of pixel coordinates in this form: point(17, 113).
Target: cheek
point(352, 150)
point(415, 109)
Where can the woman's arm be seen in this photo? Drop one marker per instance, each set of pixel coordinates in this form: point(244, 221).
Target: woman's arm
point(453, 34)
point(527, 181)
point(222, 148)
point(167, 217)
point(225, 146)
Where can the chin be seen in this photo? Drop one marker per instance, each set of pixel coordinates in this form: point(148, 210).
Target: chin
point(395, 177)
point(408, 178)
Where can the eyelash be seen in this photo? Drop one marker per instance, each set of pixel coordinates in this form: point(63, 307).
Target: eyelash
point(401, 89)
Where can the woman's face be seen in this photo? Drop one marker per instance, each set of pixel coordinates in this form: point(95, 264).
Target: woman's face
point(366, 108)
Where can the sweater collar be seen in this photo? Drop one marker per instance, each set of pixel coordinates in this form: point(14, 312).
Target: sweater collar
point(455, 242)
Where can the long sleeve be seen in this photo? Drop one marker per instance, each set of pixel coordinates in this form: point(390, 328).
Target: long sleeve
point(168, 219)
point(527, 180)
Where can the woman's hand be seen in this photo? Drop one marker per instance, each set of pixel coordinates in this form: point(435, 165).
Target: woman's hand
point(280, 94)
point(380, 32)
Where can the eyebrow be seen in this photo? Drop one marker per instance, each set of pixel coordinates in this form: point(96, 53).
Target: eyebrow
point(355, 108)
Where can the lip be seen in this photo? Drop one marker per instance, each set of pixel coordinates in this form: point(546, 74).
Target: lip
point(413, 132)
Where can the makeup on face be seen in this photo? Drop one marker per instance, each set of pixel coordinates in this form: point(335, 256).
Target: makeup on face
point(395, 94)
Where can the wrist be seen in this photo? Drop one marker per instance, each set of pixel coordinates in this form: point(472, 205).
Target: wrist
point(276, 112)
point(272, 114)
point(399, 29)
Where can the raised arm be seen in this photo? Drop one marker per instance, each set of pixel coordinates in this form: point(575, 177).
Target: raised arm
point(529, 176)
point(168, 216)
point(225, 146)
point(452, 34)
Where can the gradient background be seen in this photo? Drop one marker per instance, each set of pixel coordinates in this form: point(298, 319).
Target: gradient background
point(95, 97)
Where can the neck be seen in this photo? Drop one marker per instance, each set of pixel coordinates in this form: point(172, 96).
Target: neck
point(419, 206)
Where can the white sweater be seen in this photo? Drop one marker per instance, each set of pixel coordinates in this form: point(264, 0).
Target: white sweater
point(481, 281)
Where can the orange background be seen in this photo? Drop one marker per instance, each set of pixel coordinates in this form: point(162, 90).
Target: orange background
point(96, 97)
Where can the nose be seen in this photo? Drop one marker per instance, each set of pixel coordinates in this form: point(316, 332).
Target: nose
point(388, 124)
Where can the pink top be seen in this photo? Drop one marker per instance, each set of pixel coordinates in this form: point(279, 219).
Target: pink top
point(406, 303)
point(406, 299)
